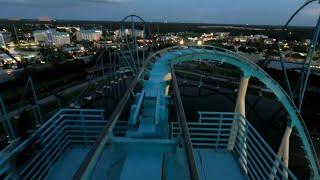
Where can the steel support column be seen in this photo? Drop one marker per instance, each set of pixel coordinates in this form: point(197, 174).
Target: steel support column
point(241, 98)
point(283, 151)
point(36, 106)
point(240, 107)
point(6, 121)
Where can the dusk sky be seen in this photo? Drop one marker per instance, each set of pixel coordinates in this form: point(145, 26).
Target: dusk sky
point(271, 12)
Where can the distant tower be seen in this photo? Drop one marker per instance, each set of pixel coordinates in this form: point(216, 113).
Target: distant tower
point(15, 33)
point(50, 39)
point(2, 42)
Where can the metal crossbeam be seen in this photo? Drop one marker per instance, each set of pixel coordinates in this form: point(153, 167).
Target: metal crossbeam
point(184, 128)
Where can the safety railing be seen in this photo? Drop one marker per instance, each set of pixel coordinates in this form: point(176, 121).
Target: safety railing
point(215, 130)
point(212, 130)
point(33, 158)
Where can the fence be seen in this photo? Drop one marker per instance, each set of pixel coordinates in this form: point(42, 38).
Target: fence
point(43, 148)
point(215, 129)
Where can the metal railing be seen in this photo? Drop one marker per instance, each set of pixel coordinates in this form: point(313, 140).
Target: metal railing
point(187, 143)
point(44, 147)
point(213, 130)
point(95, 152)
point(184, 52)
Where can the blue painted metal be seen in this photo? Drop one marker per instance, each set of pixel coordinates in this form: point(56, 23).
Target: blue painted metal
point(213, 130)
point(145, 140)
point(281, 54)
point(161, 67)
point(66, 128)
point(158, 109)
point(305, 70)
point(5, 121)
point(87, 166)
point(213, 164)
point(35, 108)
point(135, 109)
point(305, 66)
point(288, 85)
point(118, 61)
point(130, 45)
point(185, 135)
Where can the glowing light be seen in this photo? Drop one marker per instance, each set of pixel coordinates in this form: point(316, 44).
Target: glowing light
point(181, 42)
point(199, 42)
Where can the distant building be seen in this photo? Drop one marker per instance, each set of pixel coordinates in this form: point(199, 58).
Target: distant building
point(51, 37)
point(7, 36)
point(60, 38)
point(128, 32)
point(259, 37)
point(89, 35)
point(44, 18)
point(169, 38)
point(222, 35)
point(269, 41)
point(256, 38)
point(40, 36)
point(14, 19)
point(69, 29)
point(2, 42)
point(207, 37)
point(240, 39)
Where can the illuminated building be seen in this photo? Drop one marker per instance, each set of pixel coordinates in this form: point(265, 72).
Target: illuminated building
point(51, 37)
point(89, 35)
point(128, 32)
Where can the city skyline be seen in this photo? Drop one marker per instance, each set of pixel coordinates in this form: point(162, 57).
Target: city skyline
point(191, 11)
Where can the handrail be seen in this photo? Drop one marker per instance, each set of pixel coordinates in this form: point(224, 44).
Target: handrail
point(92, 157)
point(266, 149)
point(250, 148)
point(53, 136)
point(297, 120)
point(184, 128)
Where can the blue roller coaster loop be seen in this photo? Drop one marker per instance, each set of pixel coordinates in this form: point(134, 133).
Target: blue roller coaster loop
point(131, 44)
point(300, 89)
point(180, 54)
